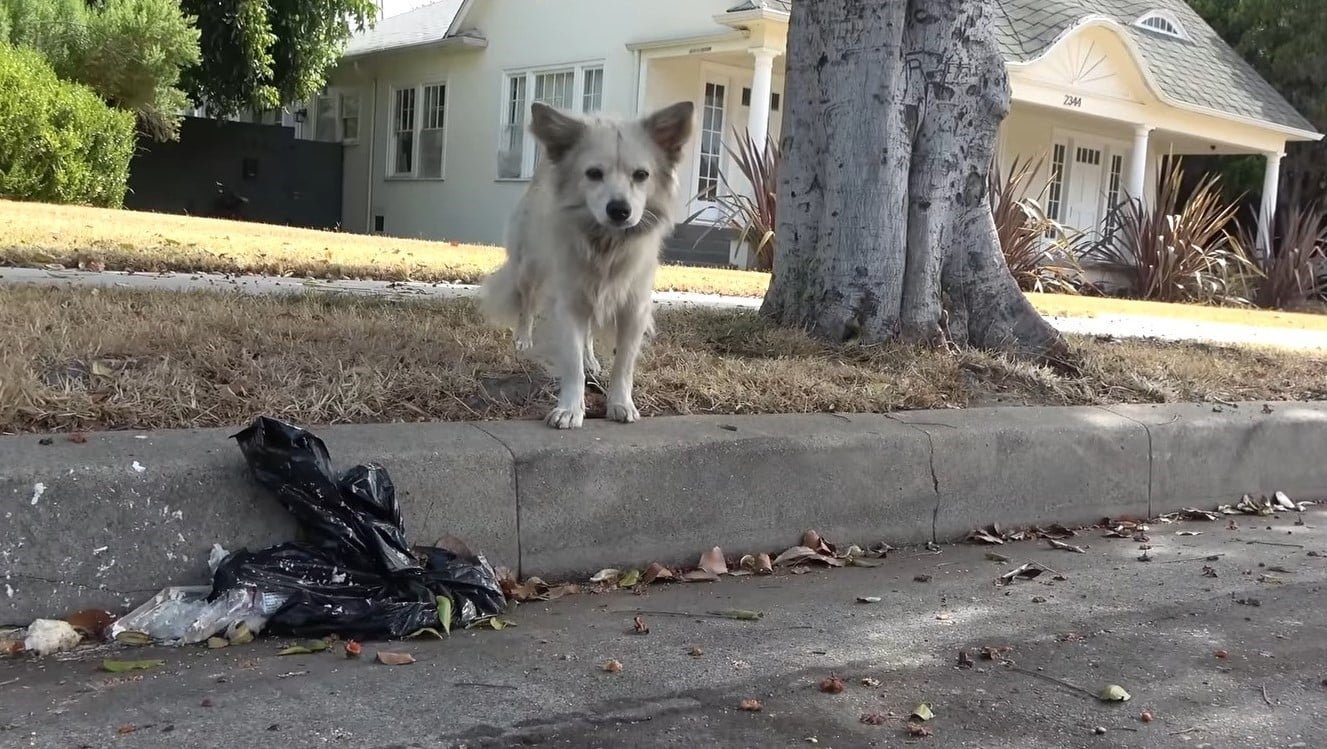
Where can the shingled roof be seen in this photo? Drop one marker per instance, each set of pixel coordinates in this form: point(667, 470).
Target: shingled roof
point(424, 25)
point(1200, 70)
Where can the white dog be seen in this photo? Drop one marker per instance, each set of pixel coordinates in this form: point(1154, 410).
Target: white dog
point(583, 245)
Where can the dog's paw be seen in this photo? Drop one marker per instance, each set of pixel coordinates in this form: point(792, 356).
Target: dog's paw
point(565, 418)
point(623, 411)
point(524, 343)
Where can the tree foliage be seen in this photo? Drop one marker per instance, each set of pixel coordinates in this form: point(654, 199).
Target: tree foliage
point(260, 54)
point(130, 52)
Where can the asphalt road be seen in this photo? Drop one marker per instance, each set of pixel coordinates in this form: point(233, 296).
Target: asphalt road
point(1234, 655)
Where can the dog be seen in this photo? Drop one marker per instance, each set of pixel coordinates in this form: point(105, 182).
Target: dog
point(583, 245)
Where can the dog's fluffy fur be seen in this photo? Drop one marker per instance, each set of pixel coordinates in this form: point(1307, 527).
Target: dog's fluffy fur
point(583, 245)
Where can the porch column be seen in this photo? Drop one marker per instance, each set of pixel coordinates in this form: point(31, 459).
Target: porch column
point(757, 123)
point(1271, 184)
point(1137, 184)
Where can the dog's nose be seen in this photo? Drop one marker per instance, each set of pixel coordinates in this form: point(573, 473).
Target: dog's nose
point(618, 211)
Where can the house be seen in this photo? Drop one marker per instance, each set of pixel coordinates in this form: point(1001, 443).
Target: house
point(432, 104)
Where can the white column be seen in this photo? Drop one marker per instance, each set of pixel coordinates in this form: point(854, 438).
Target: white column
point(757, 123)
point(1271, 184)
point(1137, 184)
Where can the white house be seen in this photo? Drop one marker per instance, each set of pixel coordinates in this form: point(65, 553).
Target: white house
point(432, 104)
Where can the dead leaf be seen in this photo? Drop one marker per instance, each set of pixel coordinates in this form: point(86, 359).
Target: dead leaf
point(641, 627)
point(943, 617)
point(1065, 547)
point(1222, 654)
point(764, 565)
point(1146, 717)
point(713, 562)
point(390, 658)
point(983, 536)
point(239, 634)
point(869, 682)
point(831, 685)
point(78, 438)
point(964, 660)
point(613, 666)
point(630, 579)
point(918, 730)
point(1022, 572)
point(991, 652)
point(131, 637)
point(431, 631)
point(996, 557)
point(813, 540)
point(91, 622)
point(1209, 571)
point(695, 651)
point(126, 729)
point(699, 576)
point(654, 572)
point(119, 667)
point(607, 577)
point(1113, 693)
point(750, 705)
point(873, 719)
point(744, 615)
point(868, 599)
point(799, 554)
point(922, 713)
point(216, 643)
point(307, 648)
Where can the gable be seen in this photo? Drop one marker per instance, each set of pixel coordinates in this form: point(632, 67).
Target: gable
point(1093, 62)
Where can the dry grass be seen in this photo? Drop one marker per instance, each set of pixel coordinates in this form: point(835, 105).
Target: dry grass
point(121, 359)
point(34, 234)
point(77, 237)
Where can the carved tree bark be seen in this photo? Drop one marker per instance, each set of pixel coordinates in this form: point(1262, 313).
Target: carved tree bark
point(884, 229)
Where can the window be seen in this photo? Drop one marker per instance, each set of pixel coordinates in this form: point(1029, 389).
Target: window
point(1161, 23)
point(336, 116)
point(1113, 190)
point(1055, 191)
point(711, 141)
point(577, 88)
point(419, 134)
point(773, 99)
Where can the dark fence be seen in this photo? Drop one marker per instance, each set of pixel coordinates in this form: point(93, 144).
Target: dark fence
point(239, 170)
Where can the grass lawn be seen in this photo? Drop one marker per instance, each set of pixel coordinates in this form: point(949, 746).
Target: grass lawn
point(127, 359)
point(37, 234)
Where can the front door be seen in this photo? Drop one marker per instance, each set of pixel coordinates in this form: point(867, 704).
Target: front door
point(709, 150)
point(1083, 198)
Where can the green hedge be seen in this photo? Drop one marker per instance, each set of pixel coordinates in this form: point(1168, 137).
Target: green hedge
point(59, 142)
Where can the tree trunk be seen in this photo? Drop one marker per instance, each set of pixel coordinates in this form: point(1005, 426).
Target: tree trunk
point(884, 227)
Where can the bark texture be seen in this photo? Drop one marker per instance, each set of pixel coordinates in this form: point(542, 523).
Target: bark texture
point(884, 230)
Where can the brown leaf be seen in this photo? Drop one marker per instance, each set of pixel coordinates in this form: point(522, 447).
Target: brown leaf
point(831, 685)
point(993, 652)
point(1222, 654)
point(750, 705)
point(983, 536)
point(641, 627)
point(1065, 547)
point(614, 666)
point(78, 438)
point(798, 554)
point(764, 565)
point(127, 728)
point(695, 651)
point(873, 719)
point(91, 622)
point(1024, 571)
point(654, 572)
point(813, 540)
point(713, 562)
point(389, 658)
point(699, 576)
point(918, 730)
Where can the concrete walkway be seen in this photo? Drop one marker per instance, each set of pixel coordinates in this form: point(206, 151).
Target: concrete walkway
point(1124, 326)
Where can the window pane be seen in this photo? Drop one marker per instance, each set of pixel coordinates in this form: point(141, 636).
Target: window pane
point(324, 127)
point(592, 96)
point(350, 116)
point(405, 154)
point(511, 143)
point(430, 153)
point(711, 141)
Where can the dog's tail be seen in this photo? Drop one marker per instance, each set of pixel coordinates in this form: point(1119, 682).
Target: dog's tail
point(499, 297)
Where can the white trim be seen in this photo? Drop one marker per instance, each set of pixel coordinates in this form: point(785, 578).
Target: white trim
point(416, 127)
point(1166, 17)
point(1099, 21)
point(1073, 139)
point(717, 75)
point(726, 41)
point(530, 74)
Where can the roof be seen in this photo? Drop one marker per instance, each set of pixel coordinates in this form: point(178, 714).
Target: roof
point(1201, 71)
point(423, 25)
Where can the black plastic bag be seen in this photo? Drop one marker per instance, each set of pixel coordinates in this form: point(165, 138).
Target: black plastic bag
point(356, 576)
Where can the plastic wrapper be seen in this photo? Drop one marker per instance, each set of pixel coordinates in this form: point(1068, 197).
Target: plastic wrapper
point(355, 575)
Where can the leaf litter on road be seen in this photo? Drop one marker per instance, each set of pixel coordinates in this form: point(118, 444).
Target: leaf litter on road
point(393, 658)
point(1065, 546)
point(120, 667)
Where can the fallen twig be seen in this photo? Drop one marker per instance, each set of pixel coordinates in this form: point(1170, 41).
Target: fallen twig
point(672, 613)
point(1208, 558)
point(1053, 680)
point(7, 683)
point(1277, 543)
point(1187, 730)
point(1265, 698)
point(487, 686)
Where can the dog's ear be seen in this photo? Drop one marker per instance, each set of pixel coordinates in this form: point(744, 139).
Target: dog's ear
point(670, 127)
point(555, 129)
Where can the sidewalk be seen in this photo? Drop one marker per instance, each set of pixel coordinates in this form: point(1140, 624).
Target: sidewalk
point(1158, 629)
point(1124, 326)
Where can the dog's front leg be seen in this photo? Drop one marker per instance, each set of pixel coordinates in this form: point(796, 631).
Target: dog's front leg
point(573, 330)
point(632, 320)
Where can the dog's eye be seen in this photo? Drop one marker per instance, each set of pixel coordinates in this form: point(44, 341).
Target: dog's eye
point(594, 173)
point(640, 175)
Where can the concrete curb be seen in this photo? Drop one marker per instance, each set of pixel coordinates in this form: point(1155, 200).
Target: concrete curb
point(109, 522)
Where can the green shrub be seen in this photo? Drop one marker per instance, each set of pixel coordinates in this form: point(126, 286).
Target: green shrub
point(59, 142)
